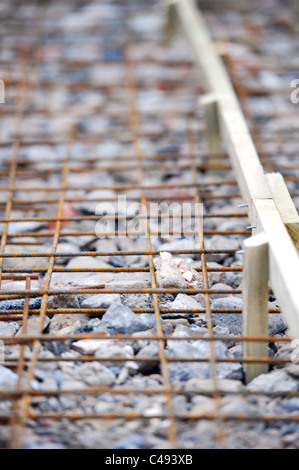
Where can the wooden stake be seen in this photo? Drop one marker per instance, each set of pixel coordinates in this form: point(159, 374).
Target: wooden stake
point(212, 130)
point(255, 303)
point(171, 24)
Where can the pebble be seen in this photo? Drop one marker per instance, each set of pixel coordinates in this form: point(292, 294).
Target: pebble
point(103, 407)
point(238, 405)
point(25, 262)
point(137, 300)
point(189, 331)
point(83, 262)
point(290, 404)
point(64, 320)
point(115, 350)
point(234, 279)
point(207, 387)
point(172, 272)
point(94, 374)
point(70, 329)
point(125, 283)
point(184, 301)
point(180, 244)
point(165, 300)
point(130, 244)
point(57, 347)
point(152, 349)
point(220, 286)
point(101, 300)
point(289, 429)
point(33, 328)
point(277, 381)
point(176, 322)
point(236, 351)
point(12, 352)
point(221, 330)
point(63, 301)
point(20, 285)
point(120, 319)
point(16, 227)
point(146, 25)
point(90, 346)
point(56, 375)
point(131, 366)
point(220, 242)
point(233, 321)
point(293, 370)
point(97, 200)
point(167, 272)
point(72, 385)
point(84, 240)
point(141, 343)
point(205, 406)
point(291, 441)
point(45, 366)
point(48, 385)
point(213, 276)
point(64, 247)
point(18, 304)
point(8, 328)
point(110, 280)
point(106, 245)
point(7, 377)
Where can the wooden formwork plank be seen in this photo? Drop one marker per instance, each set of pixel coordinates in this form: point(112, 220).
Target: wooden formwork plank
point(282, 198)
point(263, 211)
point(285, 205)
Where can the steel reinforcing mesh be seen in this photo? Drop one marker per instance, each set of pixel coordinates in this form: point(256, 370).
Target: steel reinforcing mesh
point(100, 109)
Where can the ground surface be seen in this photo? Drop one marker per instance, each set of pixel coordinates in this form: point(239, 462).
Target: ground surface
point(99, 105)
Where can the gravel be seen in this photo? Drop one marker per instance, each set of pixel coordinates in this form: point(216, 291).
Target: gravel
point(167, 97)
